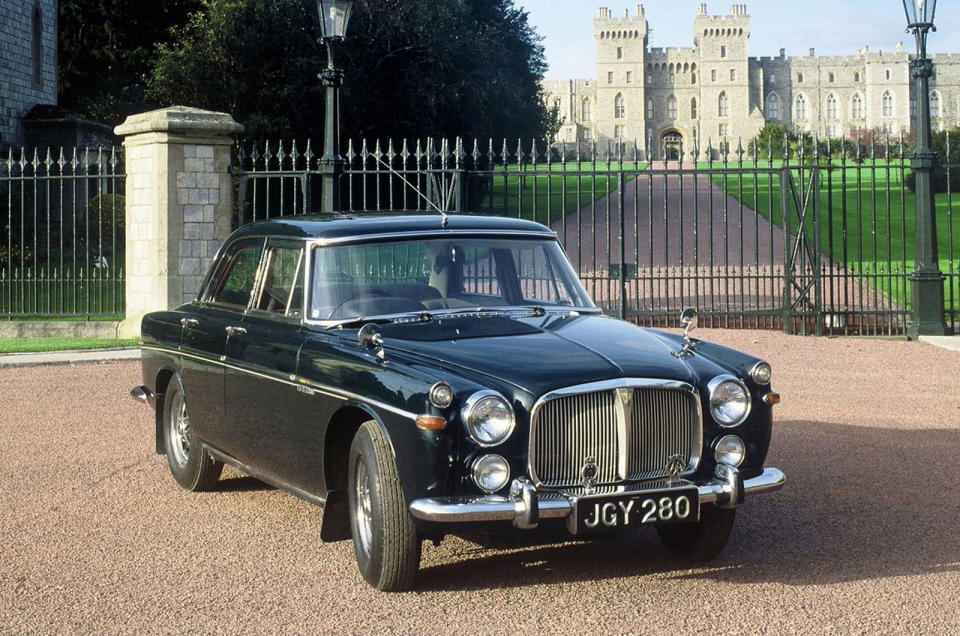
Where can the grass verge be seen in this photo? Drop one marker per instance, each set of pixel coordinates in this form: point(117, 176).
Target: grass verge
point(37, 345)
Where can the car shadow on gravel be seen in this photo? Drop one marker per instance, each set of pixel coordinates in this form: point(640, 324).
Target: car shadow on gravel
point(860, 503)
point(242, 484)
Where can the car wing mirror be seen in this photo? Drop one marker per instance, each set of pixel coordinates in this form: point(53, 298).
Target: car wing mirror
point(370, 339)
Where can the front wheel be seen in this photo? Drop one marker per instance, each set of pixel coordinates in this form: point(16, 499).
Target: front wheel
point(384, 538)
point(191, 464)
point(700, 541)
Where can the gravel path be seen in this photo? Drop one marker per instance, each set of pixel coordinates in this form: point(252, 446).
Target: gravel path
point(97, 538)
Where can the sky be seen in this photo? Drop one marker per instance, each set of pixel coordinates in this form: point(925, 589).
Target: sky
point(837, 27)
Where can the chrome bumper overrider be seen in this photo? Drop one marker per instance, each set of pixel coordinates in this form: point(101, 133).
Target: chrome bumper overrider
point(525, 507)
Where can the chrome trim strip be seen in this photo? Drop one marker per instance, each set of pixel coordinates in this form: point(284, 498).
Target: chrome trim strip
point(291, 380)
point(497, 508)
point(419, 234)
point(610, 385)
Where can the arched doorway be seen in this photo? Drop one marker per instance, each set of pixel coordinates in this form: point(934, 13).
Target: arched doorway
point(671, 141)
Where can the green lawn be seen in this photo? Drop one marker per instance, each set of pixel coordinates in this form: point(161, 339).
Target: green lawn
point(867, 216)
point(25, 345)
point(546, 193)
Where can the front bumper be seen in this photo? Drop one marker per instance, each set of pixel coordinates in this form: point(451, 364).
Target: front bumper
point(525, 507)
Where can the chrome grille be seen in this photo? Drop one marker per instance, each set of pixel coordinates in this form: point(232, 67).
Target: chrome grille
point(630, 428)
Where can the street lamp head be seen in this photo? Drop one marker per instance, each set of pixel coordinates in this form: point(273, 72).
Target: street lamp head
point(334, 16)
point(919, 12)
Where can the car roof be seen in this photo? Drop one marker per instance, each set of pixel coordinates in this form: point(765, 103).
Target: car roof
point(340, 227)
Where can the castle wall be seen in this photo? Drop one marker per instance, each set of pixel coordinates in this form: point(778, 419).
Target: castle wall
point(715, 93)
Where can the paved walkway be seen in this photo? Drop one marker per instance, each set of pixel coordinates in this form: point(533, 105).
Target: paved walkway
point(68, 357)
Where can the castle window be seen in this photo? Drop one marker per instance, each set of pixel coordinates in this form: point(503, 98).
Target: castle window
point(856, 106)
point(887, 104)
point(693, 108)
point(610, 77)
point(800, 111)
point(724, 130)
point(832, 131)
point(618, 132)
point(585, 109)
point(619, 112)
point(693, 78)
point(671, 107)
point(37, 47)
point(830, 77)
point(856, 77)
point(733, 75)
point(799, 78)
point(888, 127)
point(887, 73)
point(934, 105)
point(650, 111)
point(587, 134)
point(831, 107)
point(773, 78)
point(629, 77)
point(672, 79)
point(713, 75)
point(772, 107)
point(649, 78)
point(723, 51)
point(619, 53)
point(723, 106)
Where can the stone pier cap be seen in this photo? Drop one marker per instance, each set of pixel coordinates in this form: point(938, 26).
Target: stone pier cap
point(180, 120)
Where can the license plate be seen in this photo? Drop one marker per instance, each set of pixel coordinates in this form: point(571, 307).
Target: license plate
point(606, 512)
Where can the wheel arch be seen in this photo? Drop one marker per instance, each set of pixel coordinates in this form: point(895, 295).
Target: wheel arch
point(164, 376)
point(341, 429)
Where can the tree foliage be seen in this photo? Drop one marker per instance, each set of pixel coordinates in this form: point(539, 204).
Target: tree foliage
point(105, 50)
point(412, 68)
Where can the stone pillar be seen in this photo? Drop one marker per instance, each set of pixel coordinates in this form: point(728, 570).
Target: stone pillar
point(179, 196)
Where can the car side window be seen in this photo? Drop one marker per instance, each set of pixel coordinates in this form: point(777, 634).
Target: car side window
point(282, 289)
point(237, 281)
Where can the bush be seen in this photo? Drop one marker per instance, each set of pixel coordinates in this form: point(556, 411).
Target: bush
point(946, 161)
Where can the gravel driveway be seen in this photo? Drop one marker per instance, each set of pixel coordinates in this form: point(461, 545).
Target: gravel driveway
point(96, 537)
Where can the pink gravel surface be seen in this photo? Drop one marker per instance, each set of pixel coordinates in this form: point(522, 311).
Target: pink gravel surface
point(96, 537)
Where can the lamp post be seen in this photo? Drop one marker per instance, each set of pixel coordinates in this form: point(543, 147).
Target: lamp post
point(926, 279)
point(334, 16)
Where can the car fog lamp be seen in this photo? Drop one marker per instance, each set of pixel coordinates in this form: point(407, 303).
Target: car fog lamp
point(441, 395)
point(761, 373)
point(488, 418)
point(729, 450)
point(491, 473)
point(729, 400)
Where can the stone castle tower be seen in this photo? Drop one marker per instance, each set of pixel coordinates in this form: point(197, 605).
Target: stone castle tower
point(670, 101)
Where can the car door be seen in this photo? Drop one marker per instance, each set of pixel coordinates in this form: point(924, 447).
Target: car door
point(262, 359)
point(204, 338)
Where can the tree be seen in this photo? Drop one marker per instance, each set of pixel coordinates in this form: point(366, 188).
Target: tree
point(771, 138)
point(413, 68)
point(105, 48)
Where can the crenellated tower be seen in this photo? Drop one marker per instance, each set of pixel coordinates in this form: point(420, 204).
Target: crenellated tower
point(621, 55)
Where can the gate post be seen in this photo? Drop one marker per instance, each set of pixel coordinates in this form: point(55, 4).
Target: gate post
point(179, 204)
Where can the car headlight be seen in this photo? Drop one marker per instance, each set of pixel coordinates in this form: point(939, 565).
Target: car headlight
point(488, 418)
point(729, 449)
point(761, 373)
point(491, 473)
point(729, 400)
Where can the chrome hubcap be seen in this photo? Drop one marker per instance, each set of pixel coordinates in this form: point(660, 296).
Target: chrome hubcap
point(361, 505)
point(179, 431)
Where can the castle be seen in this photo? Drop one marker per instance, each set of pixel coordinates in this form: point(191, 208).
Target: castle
point(670, 101)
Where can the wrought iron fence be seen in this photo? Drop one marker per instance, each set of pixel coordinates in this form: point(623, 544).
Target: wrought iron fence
point(814, 237)
point(62, 234)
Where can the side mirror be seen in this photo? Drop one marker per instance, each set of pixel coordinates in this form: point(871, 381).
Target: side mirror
point(371, 339)
point(688, 318)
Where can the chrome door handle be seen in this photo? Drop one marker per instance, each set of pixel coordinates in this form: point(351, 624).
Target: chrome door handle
point(189, 322)
point(236, 331)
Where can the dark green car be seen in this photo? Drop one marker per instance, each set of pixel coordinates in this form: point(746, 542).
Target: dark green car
point(423, 375)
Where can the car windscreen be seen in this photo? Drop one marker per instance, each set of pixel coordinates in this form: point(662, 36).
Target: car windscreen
point(410, 276)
